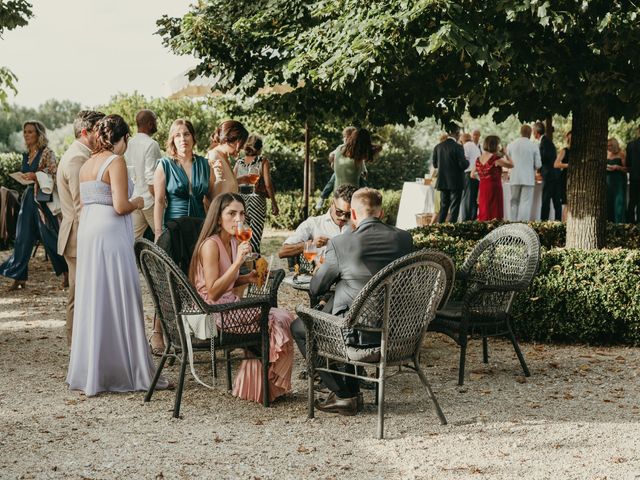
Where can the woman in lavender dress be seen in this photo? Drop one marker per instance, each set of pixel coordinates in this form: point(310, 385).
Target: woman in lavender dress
point(109, 350)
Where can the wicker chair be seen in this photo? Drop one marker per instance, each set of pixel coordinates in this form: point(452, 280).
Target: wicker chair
point(174, 296)
point(502, 263)
point(398, 302)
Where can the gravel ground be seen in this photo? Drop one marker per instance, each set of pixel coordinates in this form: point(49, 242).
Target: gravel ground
point(575, 418)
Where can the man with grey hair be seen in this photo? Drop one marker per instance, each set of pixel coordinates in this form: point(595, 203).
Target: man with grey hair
point(68, 184)
point(525, 156)
point(142, 156)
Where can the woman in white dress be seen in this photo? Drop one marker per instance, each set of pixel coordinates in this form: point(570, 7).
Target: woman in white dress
point(109, 350)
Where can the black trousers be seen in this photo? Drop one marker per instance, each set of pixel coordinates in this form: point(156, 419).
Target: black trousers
point(469, 202)
point(551, 190)
point(633, 209)
point(449, 205)
point(343, 387)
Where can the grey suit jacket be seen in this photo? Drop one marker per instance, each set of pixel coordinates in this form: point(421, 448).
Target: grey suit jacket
point(68, 183)
point(352, 258)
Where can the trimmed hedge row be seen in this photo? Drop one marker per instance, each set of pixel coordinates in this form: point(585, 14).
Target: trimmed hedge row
point(584, 296)
point(9, 163)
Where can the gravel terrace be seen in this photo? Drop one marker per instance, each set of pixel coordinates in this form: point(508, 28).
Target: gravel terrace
point(576, 418)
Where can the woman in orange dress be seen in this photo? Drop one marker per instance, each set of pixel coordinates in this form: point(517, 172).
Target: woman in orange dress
point(215, 271)
point(488, 168)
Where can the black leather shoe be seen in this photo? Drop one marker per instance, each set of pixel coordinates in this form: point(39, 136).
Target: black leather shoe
point(360, 402)
point(335, 404)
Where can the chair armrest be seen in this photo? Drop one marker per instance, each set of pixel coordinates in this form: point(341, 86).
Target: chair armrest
point(310, 316)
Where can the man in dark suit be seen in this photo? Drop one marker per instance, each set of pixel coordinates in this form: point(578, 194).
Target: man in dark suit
point(551, 188)
point(351, 259)
point(633, 164)
point(448, 158)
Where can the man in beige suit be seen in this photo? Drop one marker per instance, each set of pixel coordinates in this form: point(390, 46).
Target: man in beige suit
point(68, 182)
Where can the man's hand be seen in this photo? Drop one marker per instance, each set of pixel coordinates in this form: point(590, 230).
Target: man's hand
point(321, 241)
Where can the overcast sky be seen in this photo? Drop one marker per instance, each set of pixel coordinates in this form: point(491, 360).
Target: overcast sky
point(89, 50)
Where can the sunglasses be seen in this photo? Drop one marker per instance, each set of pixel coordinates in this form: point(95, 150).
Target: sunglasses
point(341, 213)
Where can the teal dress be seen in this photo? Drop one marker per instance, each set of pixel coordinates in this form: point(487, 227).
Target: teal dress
point(180, 201)
point(616, 193)
point(347, 170)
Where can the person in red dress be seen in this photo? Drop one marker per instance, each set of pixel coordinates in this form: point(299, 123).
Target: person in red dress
point(488, 168)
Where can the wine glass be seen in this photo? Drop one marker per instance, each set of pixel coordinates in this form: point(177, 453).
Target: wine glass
point(243, 234)
point(320, 258)
point(253, 175)
point(310, 250)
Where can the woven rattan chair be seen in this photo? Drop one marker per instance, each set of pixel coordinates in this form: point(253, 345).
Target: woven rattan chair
point(174, 296)
point(398, 302)
point(501, 264)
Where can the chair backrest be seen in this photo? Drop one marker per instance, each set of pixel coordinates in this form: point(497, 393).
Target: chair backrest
point(506, 259)
point(449, 269)
point(400, 301)
point(170, 289)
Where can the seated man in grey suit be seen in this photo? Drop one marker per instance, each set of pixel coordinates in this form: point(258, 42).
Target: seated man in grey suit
point(351, 259)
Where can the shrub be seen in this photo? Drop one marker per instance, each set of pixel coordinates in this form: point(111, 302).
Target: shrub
point(9, 163)
point(590, 296)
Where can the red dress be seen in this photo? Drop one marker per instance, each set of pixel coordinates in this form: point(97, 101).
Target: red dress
point(490, 203)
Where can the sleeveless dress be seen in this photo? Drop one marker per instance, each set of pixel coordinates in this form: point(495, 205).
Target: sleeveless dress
point(109, 350)
point(490, 203)
point(248, 382)
point(256, 202)
point(183, 201)
point(346, 169)
point(35, 221)
point(616, 193)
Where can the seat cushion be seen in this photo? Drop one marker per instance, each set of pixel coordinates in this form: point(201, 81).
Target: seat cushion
point(363, 354)
point(452, 311)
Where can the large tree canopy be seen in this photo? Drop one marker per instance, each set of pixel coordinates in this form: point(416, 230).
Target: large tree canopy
point(395, 60)
point(13, 14)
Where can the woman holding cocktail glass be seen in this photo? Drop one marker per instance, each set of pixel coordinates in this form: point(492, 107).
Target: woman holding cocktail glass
point(215, 272)
point(255, 186)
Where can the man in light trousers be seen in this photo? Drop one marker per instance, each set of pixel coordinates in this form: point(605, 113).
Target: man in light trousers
point(525, 156)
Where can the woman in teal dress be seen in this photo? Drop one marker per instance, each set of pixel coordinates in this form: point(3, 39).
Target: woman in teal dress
point(350, 159)
point(182, 179)
point(616, 182)
point(181, 182)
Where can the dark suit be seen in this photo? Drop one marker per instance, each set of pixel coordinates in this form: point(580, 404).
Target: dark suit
point(551, 187)
point(448, 158)
point(633, 163)
point(351, 259)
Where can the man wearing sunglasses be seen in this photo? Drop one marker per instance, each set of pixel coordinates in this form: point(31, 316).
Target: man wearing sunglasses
point(322, 227)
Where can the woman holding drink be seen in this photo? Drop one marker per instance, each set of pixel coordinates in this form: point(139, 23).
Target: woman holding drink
point(215, 271)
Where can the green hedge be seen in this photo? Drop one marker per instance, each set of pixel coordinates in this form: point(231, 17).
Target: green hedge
point(9, 163)
point(290, 205)
point(585, 296)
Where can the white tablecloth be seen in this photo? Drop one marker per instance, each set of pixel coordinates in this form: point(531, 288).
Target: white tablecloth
point(416, 198)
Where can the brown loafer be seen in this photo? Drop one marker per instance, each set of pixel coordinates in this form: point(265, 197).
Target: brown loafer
point(335, 404)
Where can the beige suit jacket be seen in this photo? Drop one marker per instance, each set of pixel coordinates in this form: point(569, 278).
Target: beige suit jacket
point(68, 182)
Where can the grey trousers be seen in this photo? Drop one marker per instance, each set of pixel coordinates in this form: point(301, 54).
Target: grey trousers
point(521, 201)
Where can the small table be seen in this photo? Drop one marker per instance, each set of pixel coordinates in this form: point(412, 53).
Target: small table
point(305, 287)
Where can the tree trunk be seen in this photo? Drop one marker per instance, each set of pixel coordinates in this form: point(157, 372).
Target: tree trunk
point(586, 185)
point(548, 126)
point(306, 170)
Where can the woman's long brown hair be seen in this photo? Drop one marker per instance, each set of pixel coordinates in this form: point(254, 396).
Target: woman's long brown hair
point(211, 226)
point(358, 146)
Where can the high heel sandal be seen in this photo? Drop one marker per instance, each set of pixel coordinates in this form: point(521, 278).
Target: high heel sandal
point(157, 349)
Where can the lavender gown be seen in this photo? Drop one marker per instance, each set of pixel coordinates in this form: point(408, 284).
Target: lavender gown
point(109, 350)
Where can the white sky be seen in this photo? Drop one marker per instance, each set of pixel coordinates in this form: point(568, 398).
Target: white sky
point(87, 51)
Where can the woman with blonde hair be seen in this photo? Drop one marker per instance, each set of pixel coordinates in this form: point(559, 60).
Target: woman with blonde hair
point(182, 179)
point(35, 220)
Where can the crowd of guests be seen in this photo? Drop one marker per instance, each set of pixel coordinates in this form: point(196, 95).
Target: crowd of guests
point(470, 177)
point(114, 187)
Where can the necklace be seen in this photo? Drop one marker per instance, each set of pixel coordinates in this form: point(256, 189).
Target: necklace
point(32, 155)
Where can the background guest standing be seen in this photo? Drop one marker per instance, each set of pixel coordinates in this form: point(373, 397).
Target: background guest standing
point(616, 182)
point(469, 203)
point(489, 169)
point(633, 164)
point(562, 163)
point(142, 156)
point(349, 162)
point(525, 156)
point(448, 158)
point(550, 175)
point(256, 201)
point(68, 183)
point(228, 139)
point(35, 220)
